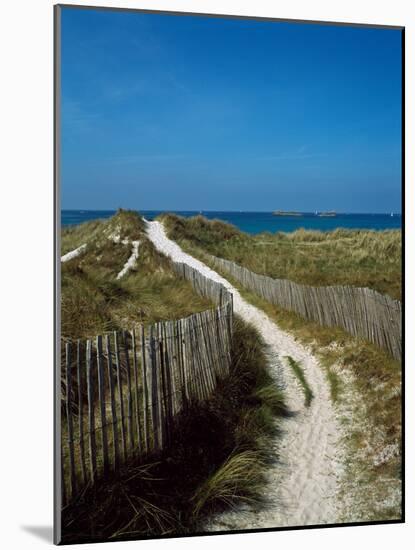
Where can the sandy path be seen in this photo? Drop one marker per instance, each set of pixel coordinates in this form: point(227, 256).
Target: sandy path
point(73, 253)
point(130, 263)
point(303, 482)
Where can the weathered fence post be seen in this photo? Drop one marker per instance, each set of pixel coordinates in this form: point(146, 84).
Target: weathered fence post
point(129, 392)
point(69, 418)
point(101, 397)
point(120, 395)
point(137, 408)
point(91, 413)
point(80, 410)
point(155, 392)
point(113, 406)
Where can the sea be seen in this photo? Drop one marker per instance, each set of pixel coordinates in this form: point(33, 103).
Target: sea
point(259, 222)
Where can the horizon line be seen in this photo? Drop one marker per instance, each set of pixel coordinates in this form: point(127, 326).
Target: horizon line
point(222, 211)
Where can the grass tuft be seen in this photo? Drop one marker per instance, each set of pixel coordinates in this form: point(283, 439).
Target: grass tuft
point(335, 384)
point(238, 480)
point(299, 373)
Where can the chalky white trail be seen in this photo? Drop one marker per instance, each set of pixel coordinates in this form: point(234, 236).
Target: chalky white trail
point(303, 483)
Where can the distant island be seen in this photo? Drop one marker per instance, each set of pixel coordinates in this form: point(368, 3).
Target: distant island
point(286, 213)
point(330, 214)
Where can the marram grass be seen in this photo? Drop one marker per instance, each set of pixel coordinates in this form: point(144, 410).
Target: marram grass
point(363, 258)
point(94, 301)
point(239, 479)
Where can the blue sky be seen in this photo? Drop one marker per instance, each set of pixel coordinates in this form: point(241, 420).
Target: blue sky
point(196, 113)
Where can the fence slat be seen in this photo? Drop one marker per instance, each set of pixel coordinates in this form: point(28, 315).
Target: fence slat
point(179, 343)
point(69, 418)
point(101, 397)
point(168, 369)
point(80, 410)
point(186, 366)
point(64, 496)
point(145, 390)
point(154, 391)
point(197, 356)
point(113, 406)
point(162, 367)
point(120, 395)
point(129, 392)
point(137, 407)
point(91, 413)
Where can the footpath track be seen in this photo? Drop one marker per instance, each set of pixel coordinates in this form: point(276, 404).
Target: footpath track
point(303, 482)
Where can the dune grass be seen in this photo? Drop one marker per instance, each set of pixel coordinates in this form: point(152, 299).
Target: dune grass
point(126, 224)
point(239, 479)
point(204, 471)
point(299, 374)
point(93, 301)
point(341, 257)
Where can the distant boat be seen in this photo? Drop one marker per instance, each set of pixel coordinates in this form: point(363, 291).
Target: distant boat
point(391, 214)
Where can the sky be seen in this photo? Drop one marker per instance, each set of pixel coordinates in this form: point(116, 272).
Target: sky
point(170, 112)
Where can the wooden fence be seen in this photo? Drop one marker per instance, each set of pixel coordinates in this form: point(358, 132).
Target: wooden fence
point(360, 311)
point(121, 392)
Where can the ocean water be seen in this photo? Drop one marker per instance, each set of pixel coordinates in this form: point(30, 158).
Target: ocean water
point(258, 222)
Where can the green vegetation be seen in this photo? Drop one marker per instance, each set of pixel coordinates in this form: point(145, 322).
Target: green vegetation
point(204, 471)
point(342, 257)
point(334, 383)
point(93, 301)
point(299, 373)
